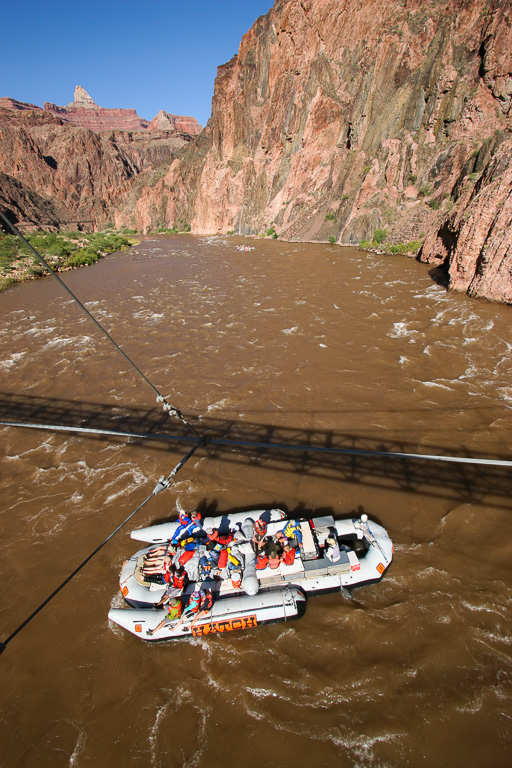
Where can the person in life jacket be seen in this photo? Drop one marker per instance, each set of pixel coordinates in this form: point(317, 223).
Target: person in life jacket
point(174, 610)
point(176, 577)
point(261, 561)
point(273, 556)
point(177, 580)
point(205, 605)
point(288, 555)
point(185, 529)
point(291, 531)
point(332, 548)
point(260, 532)
point(192, 608)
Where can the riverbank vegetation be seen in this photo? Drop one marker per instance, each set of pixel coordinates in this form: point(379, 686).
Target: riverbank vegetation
point(62, 251)
point(378, 245)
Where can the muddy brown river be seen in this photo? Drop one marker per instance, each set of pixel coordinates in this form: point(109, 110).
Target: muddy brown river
point(290, 344)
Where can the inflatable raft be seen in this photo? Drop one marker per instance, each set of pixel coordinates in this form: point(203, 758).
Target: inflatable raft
point(227, 615)
point(330, 555)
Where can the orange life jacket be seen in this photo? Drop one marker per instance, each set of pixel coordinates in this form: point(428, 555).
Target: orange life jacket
point(261, 561)
point(288, 558)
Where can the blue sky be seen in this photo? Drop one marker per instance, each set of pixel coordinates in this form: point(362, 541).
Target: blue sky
point(149, 54)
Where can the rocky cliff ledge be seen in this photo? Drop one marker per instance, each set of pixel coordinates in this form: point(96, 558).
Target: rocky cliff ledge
point(83, 112)
point(340, 117)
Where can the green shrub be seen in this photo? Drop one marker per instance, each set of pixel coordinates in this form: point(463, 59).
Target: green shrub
point(379, 235)
point(473, 176)
point(424, 190)
point(330, 216)
point(332, 239)
point(85, 258)
point(271, 232)
point(8, 250)
point(434, 204)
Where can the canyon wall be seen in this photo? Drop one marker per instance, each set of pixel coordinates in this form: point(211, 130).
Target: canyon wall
point(340, 117)
point(56, 174)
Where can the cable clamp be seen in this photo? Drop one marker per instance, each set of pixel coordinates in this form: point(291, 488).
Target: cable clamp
point(162, 485)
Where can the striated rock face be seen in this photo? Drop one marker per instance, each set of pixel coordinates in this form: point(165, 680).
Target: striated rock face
point(7, 103)
point(338, 117)
point(86, 114)
point(175, 123)
point(67, 174)
point(474, 244)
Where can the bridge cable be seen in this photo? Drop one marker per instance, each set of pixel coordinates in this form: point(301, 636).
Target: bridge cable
point(162, 484)
point(264, 445)
point(167, 407)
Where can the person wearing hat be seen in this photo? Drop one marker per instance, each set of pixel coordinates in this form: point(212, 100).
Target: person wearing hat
point(174, 610)
point(193, 606)
point(205, 605)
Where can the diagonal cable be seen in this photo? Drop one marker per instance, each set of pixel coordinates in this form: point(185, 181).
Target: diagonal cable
point(162, 484)
point(160, 398)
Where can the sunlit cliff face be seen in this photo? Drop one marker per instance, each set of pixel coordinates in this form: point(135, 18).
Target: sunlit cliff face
point(340, 118)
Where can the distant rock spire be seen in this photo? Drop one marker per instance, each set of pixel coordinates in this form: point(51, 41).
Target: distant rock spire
point(82, 98)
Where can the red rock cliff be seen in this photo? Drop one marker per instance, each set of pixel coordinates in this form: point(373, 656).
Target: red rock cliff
point(338, 117)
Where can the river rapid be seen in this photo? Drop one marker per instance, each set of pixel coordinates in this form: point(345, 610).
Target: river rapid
point(289, 343)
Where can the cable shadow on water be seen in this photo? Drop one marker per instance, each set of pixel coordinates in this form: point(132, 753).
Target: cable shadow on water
point(303, 451)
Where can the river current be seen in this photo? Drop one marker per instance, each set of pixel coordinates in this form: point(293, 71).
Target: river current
point(288, 343)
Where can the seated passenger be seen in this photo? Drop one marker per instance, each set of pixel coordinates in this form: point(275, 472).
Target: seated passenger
point(260, 531)
point(177, 578)
point(205, 605)
point(332, 549)
point(192, 608)
point(291, 531)
point(273, 556)
point(288, 555)
point(174, 609)
point(261, 561)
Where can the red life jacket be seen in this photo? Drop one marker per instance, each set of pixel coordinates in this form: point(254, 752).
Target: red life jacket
point(260, 527)
point(273, 560)
point(261, 561)
point(288, 558)
point(179, 581)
